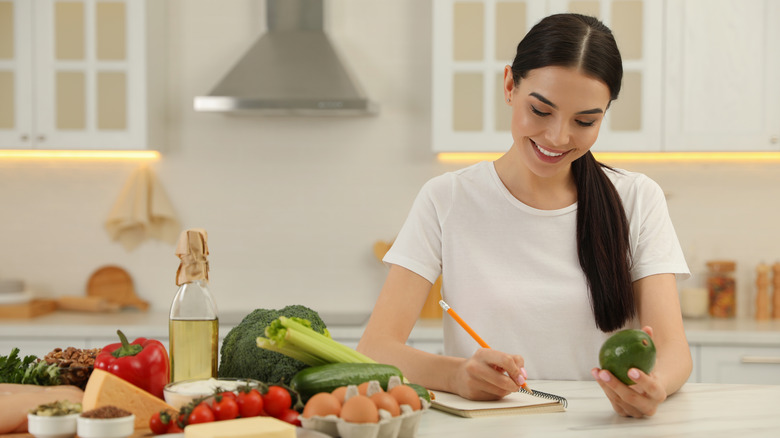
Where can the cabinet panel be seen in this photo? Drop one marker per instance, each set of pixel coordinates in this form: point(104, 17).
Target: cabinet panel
point(739, 364)
point(83, 74)
point(723, 61)
point(474, 41)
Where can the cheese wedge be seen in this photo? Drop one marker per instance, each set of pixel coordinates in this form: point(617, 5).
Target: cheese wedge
point(253, 427)
point(104, 389)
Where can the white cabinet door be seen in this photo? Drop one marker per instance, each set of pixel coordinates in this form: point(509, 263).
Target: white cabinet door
point(723, 64)
point(81, 74)
point(633, 121)
point(16, 92)
point(740, 364)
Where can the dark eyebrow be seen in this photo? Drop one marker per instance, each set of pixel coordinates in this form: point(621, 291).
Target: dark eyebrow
point(547, 102)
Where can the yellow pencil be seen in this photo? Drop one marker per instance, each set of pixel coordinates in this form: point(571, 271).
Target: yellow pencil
point(471, 331)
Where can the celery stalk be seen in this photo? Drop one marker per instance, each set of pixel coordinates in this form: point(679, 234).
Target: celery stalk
point(288, 333)
point(290, 351)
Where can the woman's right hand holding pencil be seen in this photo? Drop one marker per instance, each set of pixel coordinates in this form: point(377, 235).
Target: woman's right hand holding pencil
point(489, 375)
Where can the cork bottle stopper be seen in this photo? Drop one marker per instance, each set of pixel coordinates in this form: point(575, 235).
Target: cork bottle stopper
point(192, 249)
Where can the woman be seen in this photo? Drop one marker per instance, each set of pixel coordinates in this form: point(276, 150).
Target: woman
point(545, 252)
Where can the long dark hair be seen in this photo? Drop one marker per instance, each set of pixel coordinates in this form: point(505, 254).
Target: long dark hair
point(585, 43)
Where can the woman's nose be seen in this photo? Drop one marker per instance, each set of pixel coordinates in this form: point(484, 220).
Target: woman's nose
point(558, 133)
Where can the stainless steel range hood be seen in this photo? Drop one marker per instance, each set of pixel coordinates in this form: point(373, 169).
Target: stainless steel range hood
point(293, 69)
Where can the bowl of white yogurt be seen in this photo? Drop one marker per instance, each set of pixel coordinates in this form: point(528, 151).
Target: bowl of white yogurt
point(178, 394)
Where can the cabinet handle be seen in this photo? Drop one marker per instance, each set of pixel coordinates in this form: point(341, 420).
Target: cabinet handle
point(25, 137)
point(41, 138)
point(760, 359)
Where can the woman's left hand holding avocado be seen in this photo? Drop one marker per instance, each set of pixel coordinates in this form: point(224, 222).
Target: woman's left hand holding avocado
point(638, 400)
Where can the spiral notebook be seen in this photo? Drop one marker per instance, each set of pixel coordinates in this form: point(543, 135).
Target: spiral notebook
point(517, 403)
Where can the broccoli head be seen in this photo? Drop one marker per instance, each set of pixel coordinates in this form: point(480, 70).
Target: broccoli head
point(242, 358)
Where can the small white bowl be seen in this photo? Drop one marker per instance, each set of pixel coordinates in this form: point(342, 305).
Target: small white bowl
point(56, 426)
point(178, 394)
point(106, 427)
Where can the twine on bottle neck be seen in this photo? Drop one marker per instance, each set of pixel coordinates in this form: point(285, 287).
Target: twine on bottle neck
point(192, 249)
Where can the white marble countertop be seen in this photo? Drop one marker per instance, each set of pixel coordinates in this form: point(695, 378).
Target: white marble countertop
point(697, 410)
point(63, 324)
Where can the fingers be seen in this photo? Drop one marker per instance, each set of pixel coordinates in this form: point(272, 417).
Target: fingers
point(491, 374)
point(638, 400)
point(649, 330)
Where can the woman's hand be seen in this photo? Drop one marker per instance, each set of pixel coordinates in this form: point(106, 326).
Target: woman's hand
point(489, 375)
point(638, 400)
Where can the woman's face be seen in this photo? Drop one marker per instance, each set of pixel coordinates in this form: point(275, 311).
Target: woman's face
point(556, 115)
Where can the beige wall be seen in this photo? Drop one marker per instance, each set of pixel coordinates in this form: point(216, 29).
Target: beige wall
point(294, 205)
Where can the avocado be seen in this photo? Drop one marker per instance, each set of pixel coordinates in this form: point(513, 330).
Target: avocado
point(627, 349)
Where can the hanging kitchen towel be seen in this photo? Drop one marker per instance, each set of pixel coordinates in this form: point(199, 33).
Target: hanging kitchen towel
point(142, 210)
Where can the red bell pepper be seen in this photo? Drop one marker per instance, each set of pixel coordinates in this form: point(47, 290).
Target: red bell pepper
point(144, 363)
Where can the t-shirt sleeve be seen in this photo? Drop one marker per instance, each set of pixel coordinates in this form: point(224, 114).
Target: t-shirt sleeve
point(418, 246)
point(656, 249)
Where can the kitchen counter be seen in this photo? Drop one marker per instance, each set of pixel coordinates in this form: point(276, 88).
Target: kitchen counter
point(64, 324)
point(697, 410)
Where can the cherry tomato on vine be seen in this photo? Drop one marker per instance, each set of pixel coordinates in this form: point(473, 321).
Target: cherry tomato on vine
point(173, 426)
point(160, 422)
point(228, 394)
point(250, 403)
point(225, 408)
point(201, 414)
point(290, 416)
point(276, 401)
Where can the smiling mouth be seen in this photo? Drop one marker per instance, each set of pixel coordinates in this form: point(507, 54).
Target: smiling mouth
point(546, 152)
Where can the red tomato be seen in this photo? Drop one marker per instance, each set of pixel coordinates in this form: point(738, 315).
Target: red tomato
point(276, 401)
point(159, 422)
point(225, 408)
point(173, 427)
point(250, 404)
point(201, 414)
point(291, 416)
point(229, 394)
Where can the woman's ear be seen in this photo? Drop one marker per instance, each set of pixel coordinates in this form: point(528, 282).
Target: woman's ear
point(509, 84)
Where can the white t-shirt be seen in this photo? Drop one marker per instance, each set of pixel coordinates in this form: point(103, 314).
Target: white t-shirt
point(512, 272)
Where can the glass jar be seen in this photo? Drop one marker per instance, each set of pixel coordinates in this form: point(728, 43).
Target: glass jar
point(722, 288)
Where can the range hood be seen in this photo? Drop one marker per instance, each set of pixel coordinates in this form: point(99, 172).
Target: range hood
point(293, 69)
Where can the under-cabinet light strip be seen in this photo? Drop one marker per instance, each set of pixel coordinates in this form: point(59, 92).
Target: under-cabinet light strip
point(102, 155)
point(670, 157)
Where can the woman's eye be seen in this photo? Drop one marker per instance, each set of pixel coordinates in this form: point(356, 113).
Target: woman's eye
point(537, 112)
point(585, 124)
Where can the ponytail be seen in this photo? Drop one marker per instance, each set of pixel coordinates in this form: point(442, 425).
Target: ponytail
point(602, 244)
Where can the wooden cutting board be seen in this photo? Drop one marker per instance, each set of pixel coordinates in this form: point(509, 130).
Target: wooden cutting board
point(30, 309)
point(115, 284)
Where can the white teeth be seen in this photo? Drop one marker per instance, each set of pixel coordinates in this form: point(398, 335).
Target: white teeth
point(548, 153)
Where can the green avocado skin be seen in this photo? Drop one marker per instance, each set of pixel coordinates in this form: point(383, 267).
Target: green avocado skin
point(627, 349)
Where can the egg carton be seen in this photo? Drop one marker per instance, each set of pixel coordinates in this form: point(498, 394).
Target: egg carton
point(404, 425)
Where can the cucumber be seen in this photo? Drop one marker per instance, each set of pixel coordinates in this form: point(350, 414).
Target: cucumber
point(326, 378)
point(420, 390)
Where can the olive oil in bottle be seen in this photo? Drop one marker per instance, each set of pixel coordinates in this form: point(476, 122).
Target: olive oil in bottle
point(193, 326)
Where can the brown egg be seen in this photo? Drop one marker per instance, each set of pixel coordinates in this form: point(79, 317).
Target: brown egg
point(363, 388)
point(340, 392)
point(406, 396)
point(385, 401)
point(322, 404)
point(359, 409)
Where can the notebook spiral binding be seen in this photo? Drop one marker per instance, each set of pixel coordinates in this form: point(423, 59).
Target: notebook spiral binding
point(557, 398)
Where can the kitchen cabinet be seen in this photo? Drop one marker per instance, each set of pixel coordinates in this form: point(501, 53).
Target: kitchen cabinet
point(81, 74)
point(721, 77)
point(698, 75)
point(740, 364)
